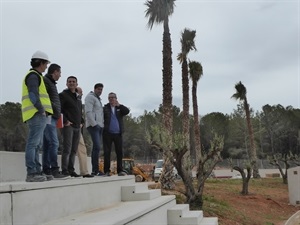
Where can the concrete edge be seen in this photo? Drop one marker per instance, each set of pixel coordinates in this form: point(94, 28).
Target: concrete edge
point(294, 219)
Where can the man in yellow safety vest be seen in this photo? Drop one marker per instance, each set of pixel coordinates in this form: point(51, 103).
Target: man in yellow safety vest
point(36, 106)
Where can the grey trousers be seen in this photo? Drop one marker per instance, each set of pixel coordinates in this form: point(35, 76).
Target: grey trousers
point(71, 138)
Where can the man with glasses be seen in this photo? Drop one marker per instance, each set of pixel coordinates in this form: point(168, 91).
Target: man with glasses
point(112, 133)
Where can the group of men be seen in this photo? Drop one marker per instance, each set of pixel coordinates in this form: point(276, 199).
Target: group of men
point(43, 107)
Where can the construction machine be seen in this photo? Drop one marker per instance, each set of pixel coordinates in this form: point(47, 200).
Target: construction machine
point(130, 168)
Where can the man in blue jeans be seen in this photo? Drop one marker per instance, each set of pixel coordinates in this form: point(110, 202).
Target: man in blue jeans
point(50, 143)
point(36, 105)
point(94, 124)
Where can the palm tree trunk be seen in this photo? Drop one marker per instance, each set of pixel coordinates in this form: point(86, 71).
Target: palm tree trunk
point(253, 156)
point(167, 179)
point(185, 116)
point(196, 123)
point(185, 102)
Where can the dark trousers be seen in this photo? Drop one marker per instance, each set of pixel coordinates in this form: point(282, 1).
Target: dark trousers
point(108, 140)
point(71, 138)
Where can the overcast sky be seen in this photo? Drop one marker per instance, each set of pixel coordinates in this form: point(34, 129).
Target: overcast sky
point(252, 41)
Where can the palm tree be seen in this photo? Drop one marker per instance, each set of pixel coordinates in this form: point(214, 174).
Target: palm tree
point(158, 11)
point(187, 44)
point(241, 95)
point(196, 72)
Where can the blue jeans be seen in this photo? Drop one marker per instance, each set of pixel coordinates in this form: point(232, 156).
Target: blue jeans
point(50, 147)
point(34, 143)
point(96, 135)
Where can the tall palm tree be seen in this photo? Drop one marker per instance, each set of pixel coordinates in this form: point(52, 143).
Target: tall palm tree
point(187, 44)
point(158, 12)
point(241, 95)
point(196, 72)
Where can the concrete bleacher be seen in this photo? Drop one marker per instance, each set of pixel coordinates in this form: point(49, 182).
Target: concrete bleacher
point(98, 200)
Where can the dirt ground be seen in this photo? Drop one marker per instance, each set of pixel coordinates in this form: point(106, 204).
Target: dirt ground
point(267, 203)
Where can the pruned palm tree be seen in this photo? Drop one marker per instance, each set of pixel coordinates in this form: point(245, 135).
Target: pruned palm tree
point(196, 72)
point(187, 44)
point(158, 12)
point(182, 155)
point(241, 95)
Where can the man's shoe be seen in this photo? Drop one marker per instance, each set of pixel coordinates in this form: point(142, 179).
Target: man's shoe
point(59, 176)
point(99, 174)
point(87, 176)
point(74, 174)
point(65, 173)
point(107, 174)
point(122, 173)
point(35, 178)
point(47, 171)
point(48, 176)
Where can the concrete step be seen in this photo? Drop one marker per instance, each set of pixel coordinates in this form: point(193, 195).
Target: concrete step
point(39, 202)
point(181, 215)
point(209, 221)
point(138, 192)
point(132, 212)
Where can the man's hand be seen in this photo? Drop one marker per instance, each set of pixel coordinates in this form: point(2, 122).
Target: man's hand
point(68, 123)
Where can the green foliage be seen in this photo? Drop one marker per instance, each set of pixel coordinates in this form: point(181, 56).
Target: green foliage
point(13, 131)
point(211, 124)
point(281, 129)
point(241, 92)
point(187, 44)
point(196, 71)
point(276, 129)
point(158, 11)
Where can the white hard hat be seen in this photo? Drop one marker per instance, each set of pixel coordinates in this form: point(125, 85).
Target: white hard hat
point(40, 55)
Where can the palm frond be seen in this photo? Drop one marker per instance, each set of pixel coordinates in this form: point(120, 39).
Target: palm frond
point(158, 11)
point(195, 70)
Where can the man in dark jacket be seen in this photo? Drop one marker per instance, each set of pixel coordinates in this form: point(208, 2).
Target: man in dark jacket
point(112, 133)
point(50, 141)
point(71, 109)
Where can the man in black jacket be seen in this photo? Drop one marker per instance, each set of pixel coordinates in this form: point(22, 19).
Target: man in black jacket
point(112, 133)
point(50, 141)
point(71, 108)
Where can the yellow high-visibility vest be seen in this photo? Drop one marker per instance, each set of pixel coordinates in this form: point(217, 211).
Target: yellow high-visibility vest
point(28, 109)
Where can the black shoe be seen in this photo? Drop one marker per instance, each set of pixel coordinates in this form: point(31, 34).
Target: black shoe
point(57, 175)
point(35, 178)
point(65, 172)
point(107, 174)
point(98, 174)
point(74, 174)
point(47, 172)
point(48, 176)
point(87, 176)
point(122, 173)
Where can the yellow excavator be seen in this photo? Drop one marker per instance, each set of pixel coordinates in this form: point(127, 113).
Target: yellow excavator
point(130, 168)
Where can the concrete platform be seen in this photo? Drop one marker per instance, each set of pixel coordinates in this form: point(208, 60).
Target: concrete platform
point(39, 202)
point(99, 200)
